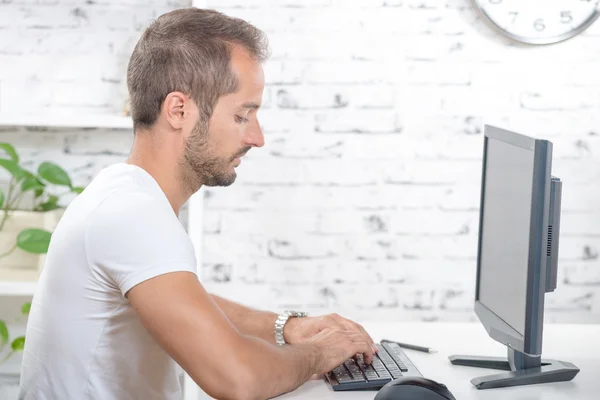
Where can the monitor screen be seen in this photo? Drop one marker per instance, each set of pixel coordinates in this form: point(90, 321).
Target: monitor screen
point(505, 231)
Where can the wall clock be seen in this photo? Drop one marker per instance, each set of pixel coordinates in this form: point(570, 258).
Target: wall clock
point(539, 21)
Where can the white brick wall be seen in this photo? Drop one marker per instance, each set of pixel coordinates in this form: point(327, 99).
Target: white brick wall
point(365, 198)
point(70, 55)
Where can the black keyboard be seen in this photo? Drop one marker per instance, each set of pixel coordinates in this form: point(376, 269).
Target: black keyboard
point(389, 363)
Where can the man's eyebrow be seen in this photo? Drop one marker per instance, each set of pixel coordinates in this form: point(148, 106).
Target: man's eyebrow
point(251, 105)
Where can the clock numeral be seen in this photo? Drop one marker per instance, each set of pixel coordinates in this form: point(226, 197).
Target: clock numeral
point(566, 17)
point(539, 25)
point(513, 14)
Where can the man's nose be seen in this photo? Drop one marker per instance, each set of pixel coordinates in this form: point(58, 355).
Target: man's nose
point(254, 135)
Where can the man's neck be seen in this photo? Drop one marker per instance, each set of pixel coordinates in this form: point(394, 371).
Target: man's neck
point(163, 167)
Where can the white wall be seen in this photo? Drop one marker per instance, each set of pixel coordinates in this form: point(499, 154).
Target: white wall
point(364, 199)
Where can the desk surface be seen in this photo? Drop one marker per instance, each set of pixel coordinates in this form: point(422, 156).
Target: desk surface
point(578, 344)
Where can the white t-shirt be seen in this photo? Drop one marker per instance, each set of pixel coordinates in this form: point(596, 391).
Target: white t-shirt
point(84, 339)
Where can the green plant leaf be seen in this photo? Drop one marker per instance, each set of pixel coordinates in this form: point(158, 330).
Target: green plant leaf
point(50, 204)
point(54, 174)
point(12, 167)
point(1, 197)
point(25, 308)
point(30, 178)
point(32, 183)
point(18, 344)
point(28, 174)
point(34, 240)
point(10, 150)
point(3, 333)
point(78, 189)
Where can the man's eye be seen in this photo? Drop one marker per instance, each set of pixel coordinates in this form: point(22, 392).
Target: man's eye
point(240, 120)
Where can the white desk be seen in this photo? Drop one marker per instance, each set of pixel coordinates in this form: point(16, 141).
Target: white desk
point(579, 344)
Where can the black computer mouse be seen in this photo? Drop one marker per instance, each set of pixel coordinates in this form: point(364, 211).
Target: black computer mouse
point(414, 388)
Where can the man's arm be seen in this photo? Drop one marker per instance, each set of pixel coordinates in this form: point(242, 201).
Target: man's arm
point(226, 363)
point(247, 320)
point(296, 330)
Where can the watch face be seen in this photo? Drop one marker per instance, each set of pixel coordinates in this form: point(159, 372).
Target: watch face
point(296, 313)
point(539, 21)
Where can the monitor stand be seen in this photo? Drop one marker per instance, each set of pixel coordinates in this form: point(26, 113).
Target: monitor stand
point(524, 369)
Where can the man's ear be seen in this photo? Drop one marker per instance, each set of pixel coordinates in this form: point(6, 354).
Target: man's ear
point(179, 110)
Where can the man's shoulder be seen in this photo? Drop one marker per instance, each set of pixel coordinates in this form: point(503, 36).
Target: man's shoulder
point(129, 203)
point(126, 189)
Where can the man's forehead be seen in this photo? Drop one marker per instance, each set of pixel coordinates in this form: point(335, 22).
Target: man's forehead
point(250, 78)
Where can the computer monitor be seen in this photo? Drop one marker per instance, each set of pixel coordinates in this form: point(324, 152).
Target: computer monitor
point(517, 259)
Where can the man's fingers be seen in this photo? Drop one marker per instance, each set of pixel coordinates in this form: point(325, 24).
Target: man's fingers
point(371, 341)
point(353, 326)
point(356, 331)
point(367, 352)
point(366, 356)
point(363, 347)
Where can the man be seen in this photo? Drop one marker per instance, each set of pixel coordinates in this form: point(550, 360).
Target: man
point(119, 303)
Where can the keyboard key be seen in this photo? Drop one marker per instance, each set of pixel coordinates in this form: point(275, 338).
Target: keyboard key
point(395, 351)
point(386, 359)
point(344, 379)
point(371, 375)
point(341, 373)
point(354, 369)
point(396, 374)
point(384, 374)
point(339, 370)
point(364, 367)
point(378, 362)
point(354, 374)
point(367, 370)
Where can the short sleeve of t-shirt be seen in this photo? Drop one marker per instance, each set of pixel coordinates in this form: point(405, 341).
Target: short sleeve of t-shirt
point(133, 236)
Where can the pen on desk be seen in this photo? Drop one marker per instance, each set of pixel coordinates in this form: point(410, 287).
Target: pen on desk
point(412, 346)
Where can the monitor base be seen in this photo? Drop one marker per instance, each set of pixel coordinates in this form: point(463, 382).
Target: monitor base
point(547, 371)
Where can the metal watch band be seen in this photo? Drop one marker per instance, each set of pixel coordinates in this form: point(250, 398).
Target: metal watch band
point(280, 323)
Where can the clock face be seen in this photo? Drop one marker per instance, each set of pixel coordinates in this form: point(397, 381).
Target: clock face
point(540, 21)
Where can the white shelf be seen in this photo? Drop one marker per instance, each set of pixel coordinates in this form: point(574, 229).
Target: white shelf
point(15, 288)
point(68, 121)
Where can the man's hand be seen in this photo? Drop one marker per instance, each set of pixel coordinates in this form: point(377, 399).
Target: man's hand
point(335, 346)
point(300, 330)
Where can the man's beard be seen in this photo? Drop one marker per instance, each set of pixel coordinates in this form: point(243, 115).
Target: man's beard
point(200, 167)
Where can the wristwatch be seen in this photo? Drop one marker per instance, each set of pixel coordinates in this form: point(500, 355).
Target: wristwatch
point(280, 323)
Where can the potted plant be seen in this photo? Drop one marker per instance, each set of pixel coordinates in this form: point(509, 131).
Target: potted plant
point(25, 232)
point(9, 377)
point(16, 344)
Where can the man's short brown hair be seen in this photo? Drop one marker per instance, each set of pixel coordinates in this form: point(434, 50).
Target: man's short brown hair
point(188, 50)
